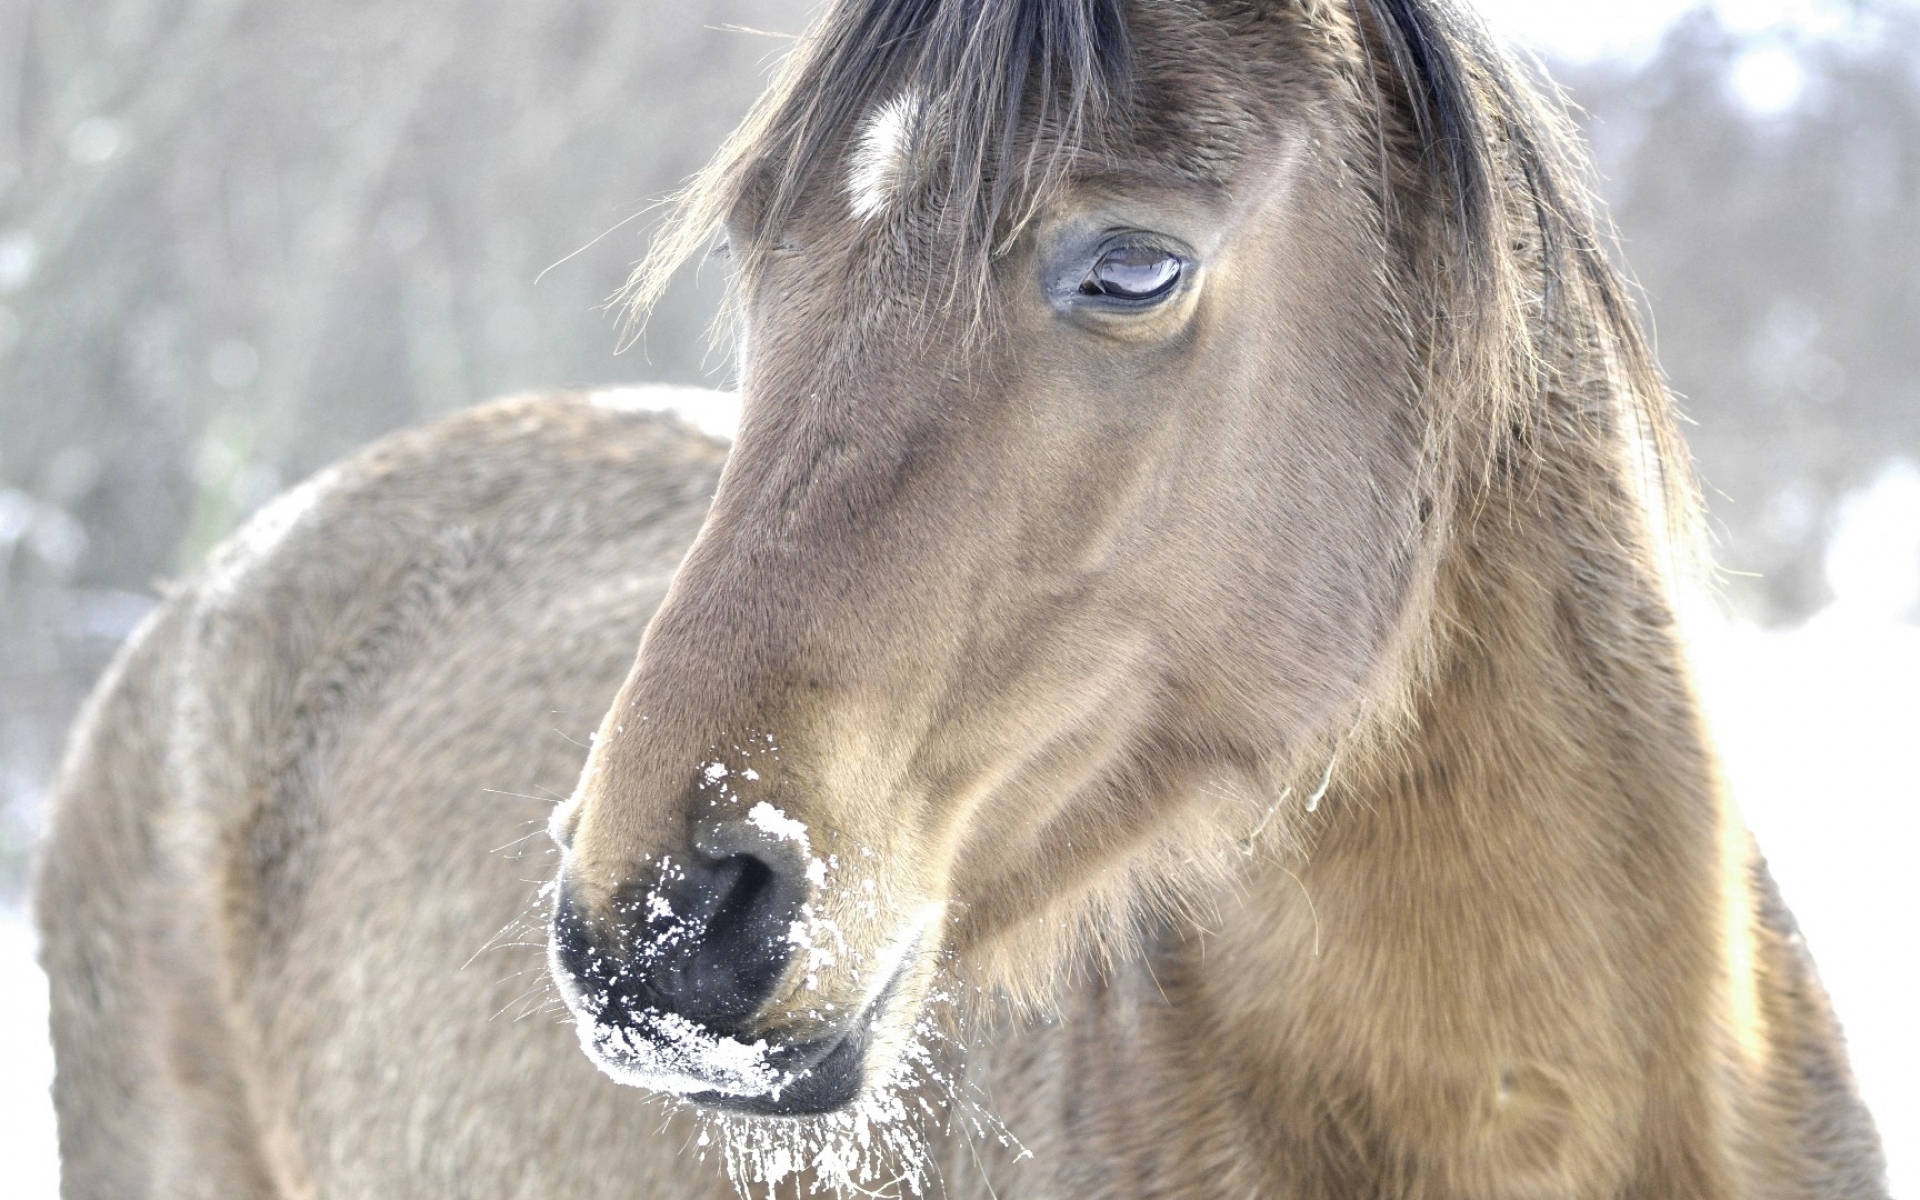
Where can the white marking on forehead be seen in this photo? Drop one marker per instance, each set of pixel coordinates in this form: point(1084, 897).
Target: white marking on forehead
point(883, 156)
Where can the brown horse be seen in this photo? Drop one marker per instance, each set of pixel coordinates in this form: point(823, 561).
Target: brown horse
point(1175, 695)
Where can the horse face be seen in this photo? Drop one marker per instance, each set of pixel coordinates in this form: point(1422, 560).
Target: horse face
point(991, 624)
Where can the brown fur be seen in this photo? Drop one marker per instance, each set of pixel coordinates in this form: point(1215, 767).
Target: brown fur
point(1275, 698)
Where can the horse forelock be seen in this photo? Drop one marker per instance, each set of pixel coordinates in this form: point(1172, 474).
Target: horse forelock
point(986, 100)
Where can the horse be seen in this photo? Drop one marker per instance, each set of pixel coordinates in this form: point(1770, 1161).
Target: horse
point(1172, 691)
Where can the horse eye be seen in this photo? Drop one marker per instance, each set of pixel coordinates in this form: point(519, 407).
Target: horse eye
point(1133, 273)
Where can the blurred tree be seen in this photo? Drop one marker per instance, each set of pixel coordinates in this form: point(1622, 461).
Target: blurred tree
point(1769, 193)
point(240, 238)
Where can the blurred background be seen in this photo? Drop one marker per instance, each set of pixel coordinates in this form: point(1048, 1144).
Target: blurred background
point(240, 238)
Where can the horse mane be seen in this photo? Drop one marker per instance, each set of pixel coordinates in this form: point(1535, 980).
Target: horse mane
point(1474, 148)
point(1530, 293)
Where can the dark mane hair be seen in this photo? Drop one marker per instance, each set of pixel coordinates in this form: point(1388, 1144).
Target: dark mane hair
point(1528, 291)
point(1478, 119)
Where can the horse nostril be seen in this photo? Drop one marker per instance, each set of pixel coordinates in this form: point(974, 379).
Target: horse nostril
point(722, 950)
point(708, 941)
point(743, 893)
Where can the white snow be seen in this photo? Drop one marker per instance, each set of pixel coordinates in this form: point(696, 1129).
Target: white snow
point(1817, 728)
point(874, 1148)
point(770, 820)
point(26, 1068)
point(678, 1056)
point(716, 414)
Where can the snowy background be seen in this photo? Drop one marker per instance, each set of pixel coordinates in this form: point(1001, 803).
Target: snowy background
point(1761, 156)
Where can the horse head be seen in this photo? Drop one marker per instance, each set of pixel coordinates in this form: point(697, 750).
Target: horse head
point(1086, 499)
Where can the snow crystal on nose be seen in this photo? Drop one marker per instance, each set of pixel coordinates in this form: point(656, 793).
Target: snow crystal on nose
point(673, 1054)
point(766, 817)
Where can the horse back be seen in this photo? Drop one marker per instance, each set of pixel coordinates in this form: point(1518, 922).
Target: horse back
point(315, 784)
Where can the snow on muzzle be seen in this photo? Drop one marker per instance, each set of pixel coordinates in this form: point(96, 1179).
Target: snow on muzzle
point(722, 975)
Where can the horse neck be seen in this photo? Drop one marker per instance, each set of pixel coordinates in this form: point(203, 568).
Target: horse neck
point(1498, 954)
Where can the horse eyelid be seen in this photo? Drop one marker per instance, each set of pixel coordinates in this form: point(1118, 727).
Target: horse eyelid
point(1093, 289)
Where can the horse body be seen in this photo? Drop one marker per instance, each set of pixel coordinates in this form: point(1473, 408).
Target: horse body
point(286, 836)
point(1172, 693)
point(280, 822)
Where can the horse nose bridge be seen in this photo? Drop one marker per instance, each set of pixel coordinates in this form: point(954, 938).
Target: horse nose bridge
point(818, 656)
point(843, 534)
point(837, 464)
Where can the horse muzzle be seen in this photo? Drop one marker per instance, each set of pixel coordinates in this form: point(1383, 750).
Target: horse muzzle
point(669, 982)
